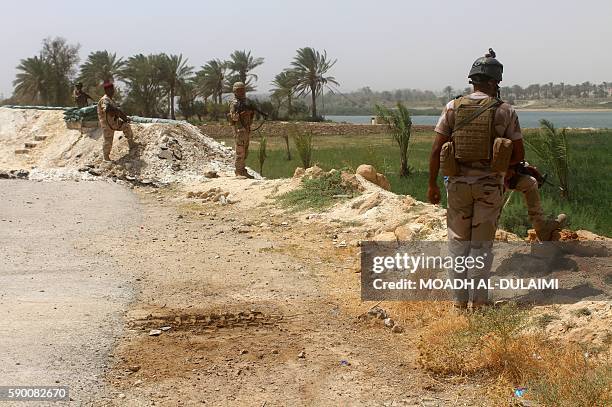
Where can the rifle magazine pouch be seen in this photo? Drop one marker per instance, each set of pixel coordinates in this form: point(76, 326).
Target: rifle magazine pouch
point(448, 163)
point(502, 151)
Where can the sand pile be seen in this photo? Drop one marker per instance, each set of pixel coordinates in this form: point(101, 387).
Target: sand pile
point(381, 214)
point(39, 141)
point(581, 322)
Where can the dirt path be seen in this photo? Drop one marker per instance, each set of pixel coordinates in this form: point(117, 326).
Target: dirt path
point(62, 294)
point(262, 310)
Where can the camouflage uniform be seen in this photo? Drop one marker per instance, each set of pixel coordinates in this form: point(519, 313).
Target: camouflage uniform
point(80, 98)
point(528, 186)
point(475, 199)
point(110, 123)
point(241, 121)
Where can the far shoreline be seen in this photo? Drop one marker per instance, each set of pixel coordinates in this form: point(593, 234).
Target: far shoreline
point(518, 109)
point(560, 109)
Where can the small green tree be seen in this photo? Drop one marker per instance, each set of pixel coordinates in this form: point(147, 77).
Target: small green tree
point(400, 126)
point(262, 153)
point(551, 146)
point(303, 144)
point(286, 138)
point(292, 131)
point(284, 87)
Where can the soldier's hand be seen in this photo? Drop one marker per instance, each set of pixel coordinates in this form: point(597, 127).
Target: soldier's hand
point(433, 194)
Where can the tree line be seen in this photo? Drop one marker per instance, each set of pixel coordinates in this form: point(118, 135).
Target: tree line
point(155, 85)
point(551, 90)
point(364, 100)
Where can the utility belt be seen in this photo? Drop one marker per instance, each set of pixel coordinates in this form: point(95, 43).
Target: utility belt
point(500, 161)
point(473, 141)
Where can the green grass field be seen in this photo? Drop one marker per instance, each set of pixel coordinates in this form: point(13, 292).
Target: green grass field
point(589, 207)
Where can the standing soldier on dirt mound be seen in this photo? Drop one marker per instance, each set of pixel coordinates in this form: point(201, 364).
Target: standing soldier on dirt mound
point(113, 119)
point(478, 138)
point(241, 117)
point(79, 96)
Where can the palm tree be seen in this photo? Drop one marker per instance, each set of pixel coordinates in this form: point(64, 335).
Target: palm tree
point(310, 67)
point(187, 98)
point(241, 63)
point(211, 79)
point(143, 76)
point(399, 123)
point(552, 147)
point(31, 82)
point(174, 72)
point(283, 87)
point(100, 66)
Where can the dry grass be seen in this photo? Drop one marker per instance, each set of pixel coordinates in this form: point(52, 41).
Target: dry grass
point(496, 346)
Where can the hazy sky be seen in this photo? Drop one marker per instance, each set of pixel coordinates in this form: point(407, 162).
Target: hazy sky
point(382, 44)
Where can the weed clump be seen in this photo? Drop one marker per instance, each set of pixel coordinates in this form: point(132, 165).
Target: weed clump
point(318, 192)
point(495, 344)
point(543, 320)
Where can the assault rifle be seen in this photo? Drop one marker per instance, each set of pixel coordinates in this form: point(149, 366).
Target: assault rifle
point(523, 168)
point(243, 105)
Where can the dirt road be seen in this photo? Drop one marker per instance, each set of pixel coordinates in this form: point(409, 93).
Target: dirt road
point(62, 293)
point(260, 309)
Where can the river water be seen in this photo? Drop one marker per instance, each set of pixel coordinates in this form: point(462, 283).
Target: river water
point(528, 119)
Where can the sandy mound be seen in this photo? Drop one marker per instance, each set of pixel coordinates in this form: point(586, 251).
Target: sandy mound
point(581, 322)
point(40, 140)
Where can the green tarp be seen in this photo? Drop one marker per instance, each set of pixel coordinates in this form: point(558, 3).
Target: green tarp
point(38, 107)
point(84, 114)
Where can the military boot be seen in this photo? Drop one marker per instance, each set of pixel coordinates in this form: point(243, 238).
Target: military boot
point(545, 229)
point(243, 173)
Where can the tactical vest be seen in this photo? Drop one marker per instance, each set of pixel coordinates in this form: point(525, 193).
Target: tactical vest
point(245, 111)
point(473, 136)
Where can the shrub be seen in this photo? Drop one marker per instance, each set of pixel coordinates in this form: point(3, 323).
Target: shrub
point(303, 144)
point(494, 343)
point(551, 146)
point(317, 193)
point(399, 123)
point(262, 153)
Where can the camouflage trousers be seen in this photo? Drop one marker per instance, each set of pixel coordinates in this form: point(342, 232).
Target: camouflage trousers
point(471, 218)
point(109, 135)
point(528, 186)
point(241, 138)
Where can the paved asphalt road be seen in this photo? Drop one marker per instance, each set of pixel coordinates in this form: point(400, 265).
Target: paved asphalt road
point(62, 294)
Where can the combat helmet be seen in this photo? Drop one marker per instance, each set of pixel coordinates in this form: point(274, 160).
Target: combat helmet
point(238, 85)
point(487, 66)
